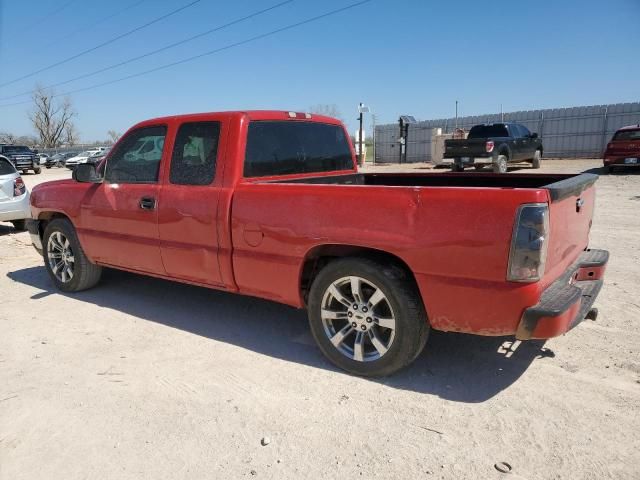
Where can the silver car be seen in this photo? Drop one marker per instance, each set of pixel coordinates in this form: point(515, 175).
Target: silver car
point(14, 196)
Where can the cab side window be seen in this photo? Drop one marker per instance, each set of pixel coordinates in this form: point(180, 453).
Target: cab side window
point(138, 157)
point(195, 152)
point(525, 131)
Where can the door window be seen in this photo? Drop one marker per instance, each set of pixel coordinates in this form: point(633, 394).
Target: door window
point(194, 155)
point(137, 159)
point(524, 131)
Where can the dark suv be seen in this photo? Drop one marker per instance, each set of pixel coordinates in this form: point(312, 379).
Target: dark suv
point(22, 157)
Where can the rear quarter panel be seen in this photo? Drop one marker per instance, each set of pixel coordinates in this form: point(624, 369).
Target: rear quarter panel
point(455, 240)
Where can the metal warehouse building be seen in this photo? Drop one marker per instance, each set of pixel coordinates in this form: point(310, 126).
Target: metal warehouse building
point(579, 132)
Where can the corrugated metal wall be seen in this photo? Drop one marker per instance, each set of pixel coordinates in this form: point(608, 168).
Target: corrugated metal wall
point(579, 132)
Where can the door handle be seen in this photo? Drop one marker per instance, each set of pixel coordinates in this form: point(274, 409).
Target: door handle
point(147, 203)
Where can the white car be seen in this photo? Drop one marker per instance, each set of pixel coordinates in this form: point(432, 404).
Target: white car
point(82, 157)
point(42, 157)
point(14, 196)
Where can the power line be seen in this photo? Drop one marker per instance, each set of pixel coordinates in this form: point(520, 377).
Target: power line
point(153, 52)
point(95, 24)
point(210, 52)
point(49, 15)
point(84, 52)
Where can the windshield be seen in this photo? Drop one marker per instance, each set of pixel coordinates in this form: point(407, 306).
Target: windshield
point(83, 154)
point(488, 131)
point(627, 135)
point(16, 149)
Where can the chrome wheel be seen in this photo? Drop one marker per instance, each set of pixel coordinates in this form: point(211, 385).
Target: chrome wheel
point(358, 319)
point(60, 256)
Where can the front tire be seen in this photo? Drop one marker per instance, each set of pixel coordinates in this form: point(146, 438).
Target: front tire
point(68, 266)
point(500, 165)
point(367, 317)
point(37, 170)
point(536, 162)
point(456, 167)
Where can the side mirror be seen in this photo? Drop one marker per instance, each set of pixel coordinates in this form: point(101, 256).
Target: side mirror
point(534, 135)
point(86, 173)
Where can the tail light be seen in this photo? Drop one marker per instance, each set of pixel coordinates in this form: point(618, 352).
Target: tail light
point(19, 187)
point(529, 243)
point(489, 146)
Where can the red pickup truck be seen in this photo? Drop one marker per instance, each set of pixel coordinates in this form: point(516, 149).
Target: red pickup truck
point(271, 204)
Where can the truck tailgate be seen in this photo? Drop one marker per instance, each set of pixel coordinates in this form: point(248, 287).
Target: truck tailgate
point(571, 209)
point(465, 148)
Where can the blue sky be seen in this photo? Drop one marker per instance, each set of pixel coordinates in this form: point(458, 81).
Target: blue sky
point(398, 56)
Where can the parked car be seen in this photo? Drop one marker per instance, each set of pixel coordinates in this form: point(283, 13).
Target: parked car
point(495, 144)
point(98, 156)
point(42, 158)
point(83, 157)
point(14, 196)
point(624, 149)
point(58, 159)
point(261, 203)
point(22, 157)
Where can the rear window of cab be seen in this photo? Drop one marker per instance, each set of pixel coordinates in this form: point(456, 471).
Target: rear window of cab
point(277, 147)
point(6, 168)
point(626, 135)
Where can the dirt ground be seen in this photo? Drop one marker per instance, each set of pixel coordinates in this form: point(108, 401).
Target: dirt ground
point(146, 379)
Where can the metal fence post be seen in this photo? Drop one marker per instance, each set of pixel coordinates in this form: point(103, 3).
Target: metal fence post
point(604, 129)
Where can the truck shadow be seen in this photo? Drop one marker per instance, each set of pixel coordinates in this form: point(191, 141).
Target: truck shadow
point(457, 367)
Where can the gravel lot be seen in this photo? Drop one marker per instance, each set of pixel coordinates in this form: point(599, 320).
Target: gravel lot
point(147, 379)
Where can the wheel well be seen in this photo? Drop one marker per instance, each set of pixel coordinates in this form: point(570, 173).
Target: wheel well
point(319, 257)
point(505, 151)
point(46, 217)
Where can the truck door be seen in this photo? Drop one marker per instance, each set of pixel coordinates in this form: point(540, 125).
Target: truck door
point(517, 150)
point(528, 144)
point(119, 217)
point(188, 220)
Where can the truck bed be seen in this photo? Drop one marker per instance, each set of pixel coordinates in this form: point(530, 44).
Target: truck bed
point(559, 185)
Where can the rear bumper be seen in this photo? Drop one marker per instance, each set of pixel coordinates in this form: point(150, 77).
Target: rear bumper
point(622, 160)
point(485, 159)
point(567, 301)
point(17, 209)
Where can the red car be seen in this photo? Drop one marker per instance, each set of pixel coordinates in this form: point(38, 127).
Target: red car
point(624, 148)
point(271, 204)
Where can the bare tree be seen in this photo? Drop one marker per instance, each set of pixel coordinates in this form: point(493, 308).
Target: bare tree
point(50, 117)
point(70, 134)
point(113, 136)
point(326, 109)
point(6, 137)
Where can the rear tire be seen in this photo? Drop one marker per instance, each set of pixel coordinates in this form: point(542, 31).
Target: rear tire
point(536, 162)
point(456, 167)
point(19, 225)
point(391, 326)
point(66, 262)
point(37, 170)
point(500, 164)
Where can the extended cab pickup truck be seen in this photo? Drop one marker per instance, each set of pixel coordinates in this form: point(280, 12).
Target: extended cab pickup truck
point(271, 204)
point(495, 144)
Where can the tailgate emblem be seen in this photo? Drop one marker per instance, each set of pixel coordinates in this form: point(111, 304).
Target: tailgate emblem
point(579, 204)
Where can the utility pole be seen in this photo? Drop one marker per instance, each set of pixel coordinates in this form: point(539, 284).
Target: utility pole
point(360, 156)
point(456, 115)
point(501, 114)
point(373, 128)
